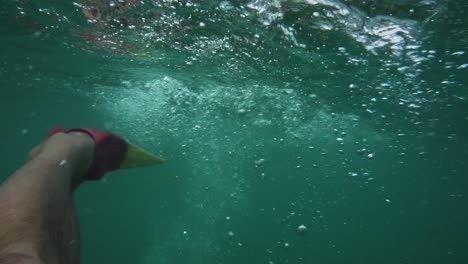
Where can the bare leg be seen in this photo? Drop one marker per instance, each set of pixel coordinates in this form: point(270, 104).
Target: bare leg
point(37, 217)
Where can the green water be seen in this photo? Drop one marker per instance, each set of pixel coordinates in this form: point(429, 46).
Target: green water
point(348, 117)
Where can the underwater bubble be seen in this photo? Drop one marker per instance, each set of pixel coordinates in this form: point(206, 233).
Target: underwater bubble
point(302, 229)
point(259, 162)
point(242, 111)
point(458, 53)
point(225, 5)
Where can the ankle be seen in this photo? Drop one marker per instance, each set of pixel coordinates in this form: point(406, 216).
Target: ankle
point(74, 151)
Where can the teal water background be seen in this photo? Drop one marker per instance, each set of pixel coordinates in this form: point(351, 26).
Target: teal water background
point(347, 117)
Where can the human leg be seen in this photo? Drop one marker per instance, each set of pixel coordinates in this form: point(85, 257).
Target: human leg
point(37, 217)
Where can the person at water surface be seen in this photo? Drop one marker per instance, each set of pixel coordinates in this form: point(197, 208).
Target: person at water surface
point(104, 12)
